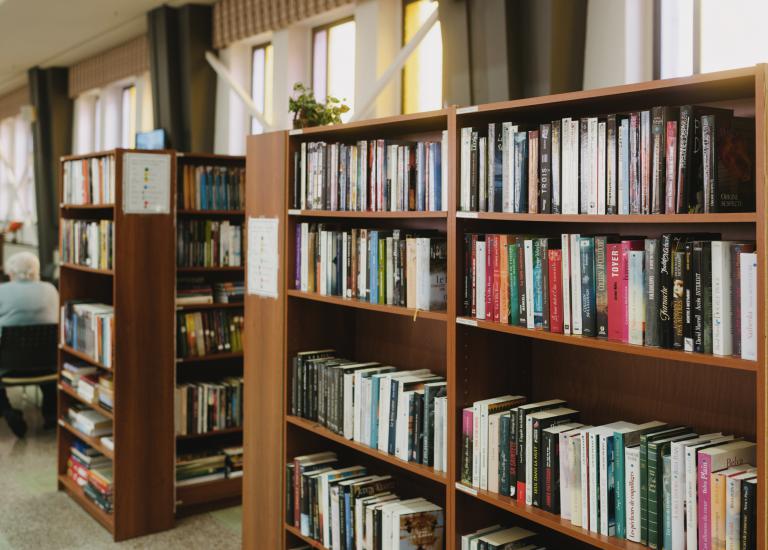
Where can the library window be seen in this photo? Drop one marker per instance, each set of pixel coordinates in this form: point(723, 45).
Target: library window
point(128, 117)
point(333, 63)
point(261, 84)
point(423, 72)
point(17, 179)
point(98, 124)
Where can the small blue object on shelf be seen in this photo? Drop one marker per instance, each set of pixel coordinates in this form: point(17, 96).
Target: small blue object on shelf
point(152, 140)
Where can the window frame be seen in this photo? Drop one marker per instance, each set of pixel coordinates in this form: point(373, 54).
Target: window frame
point(325, 27)
point(259, 46)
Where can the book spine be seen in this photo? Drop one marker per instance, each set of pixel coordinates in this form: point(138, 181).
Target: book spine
point(623, 161)
point(504, 470)
point(601, 286)
point(685, 156)
point(615, 287)
point(588, 305)
point(584, 179)
point(619, 486)
point(722, 338)
point(748, 516)
point(473, 172)
point(636, 305)
point(635, 206)
point(545, 168)
point(709, 162)
point(645, 161)
point(688, 297)
point(575, 276)
point(736, 251)
point(611, 166)
point(658, 151)
point(535, 489)
point(565, 241)
point(555, 291)
point(632, 489)
point(697, 305)
point(748, 268)
point(466, 448)
point(670, 206)
point(544, 255)
point(601, 168)
point(522, 292)
point(503, 280)
point(654, 488)
point(520, 170)
point(533, 172)
point(706, 271)
point(514, 300)
point(651, 292)
point(678, 298)
point(704, 501)
point(665, 291)
point(551, 477)
point(490, 252)
point(556, 163)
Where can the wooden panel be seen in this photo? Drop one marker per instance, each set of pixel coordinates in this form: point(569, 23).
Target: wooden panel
point(264, 358)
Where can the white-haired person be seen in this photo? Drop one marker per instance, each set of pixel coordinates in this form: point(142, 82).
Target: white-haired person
point(26, 300)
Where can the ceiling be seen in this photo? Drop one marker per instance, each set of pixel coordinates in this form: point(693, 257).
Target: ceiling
point(62, 32)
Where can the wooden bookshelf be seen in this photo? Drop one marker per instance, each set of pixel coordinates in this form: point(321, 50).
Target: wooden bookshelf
point(605, 380)
point(142, 417)
point(205, 496)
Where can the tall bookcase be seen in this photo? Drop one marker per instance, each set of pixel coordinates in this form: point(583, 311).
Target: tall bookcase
point(142, 416)
point(603, 379)
point(223, 492)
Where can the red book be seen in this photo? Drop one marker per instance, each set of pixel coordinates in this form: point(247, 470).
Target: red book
point(489, 277)
point(555, 290)
point(496, 277)
point(626, 246)
point(671, 171)
point(615, 289)
point(474, 276)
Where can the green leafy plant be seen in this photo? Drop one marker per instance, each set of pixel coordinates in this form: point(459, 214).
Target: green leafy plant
point(307, 111)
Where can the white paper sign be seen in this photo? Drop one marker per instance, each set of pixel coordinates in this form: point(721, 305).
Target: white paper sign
point(146, 183)
point(263, 257)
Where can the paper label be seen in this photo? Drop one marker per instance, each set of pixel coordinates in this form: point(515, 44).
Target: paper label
point(146, 183)
point(263, 257)
point(466, 321)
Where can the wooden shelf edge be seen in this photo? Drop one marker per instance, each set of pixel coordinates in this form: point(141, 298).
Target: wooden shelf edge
point(70, 206)
point(92, 441)
point(616, 347)
point(197, 307)
point(208, 492)
point(359, 304)
point(714, 218)
point(549, 520)
point(106, 520)
point(213, 433)
point(297, 533)
point(85, 357)
point(86, 269)
point(74, 395)
point(208, 358)
point(293, 212)
point(210, 269)
point(200, 212)
point(418, 469)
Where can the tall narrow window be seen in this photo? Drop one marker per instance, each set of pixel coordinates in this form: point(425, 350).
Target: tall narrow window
point(128, 117)
point(97, 125)
point(676, 35)
point(732, 34)
point(261, 84)
point(333, 63)
point(423, 72)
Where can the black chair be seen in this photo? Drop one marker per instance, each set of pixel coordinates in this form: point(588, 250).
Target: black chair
point(28, 355)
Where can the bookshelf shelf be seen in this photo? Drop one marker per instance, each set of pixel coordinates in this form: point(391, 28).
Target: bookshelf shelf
point(95, 406)
point(228, 269)
point(359, 304)
point(612, 346)
point(652, 219)
point(306, 540)
point(423, 471)
point(84, 357)
point(86, 269)
point(366, 215)
point(214, 433)
point(92, 441)
point(205, 495)
point(209, 358)
point(212, 213)
point(197, 307)
point(76, 492)
point(75, 207)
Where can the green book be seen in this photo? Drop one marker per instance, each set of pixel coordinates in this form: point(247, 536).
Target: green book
point(514, 299)
point(621, 441)
point(504, 423)
point(645, 439)
point(656, 451)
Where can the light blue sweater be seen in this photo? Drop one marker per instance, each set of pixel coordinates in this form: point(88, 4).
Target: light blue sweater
point(28, 303)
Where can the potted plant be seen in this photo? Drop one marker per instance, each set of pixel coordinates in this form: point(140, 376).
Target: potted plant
point(307, 111)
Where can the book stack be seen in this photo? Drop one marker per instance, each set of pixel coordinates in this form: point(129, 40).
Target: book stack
point(87, 243)
point(230, 292)
point(374, 175)
point(88, 421)
point(345, 508)
point(645, 162)
point(498, 537)
point(402, 413)
point(71, 373)
point(106, 391)
point(193, 291)
point(212, 188)
point(653, 483)
point(207, 407)
point(89, 181)
point(201, 467)
point(99, 487)
point(209, 243)
point(89, 328)
point(381, 267)
point(680, 291)
point(234, 461)
point(202, 333)
point(83, 457)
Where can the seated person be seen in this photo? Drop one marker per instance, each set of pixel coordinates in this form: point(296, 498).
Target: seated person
point(25, 300)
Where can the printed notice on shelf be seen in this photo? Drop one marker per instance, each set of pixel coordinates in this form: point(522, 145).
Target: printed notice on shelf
point(146, 183)
point(263, 260)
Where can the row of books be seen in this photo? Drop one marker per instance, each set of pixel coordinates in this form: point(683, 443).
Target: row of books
point(87, 243)
point(88, 327)
point(209, 243)
point(371, 175)
point(91, 383)
point(663, 160)
point(202, 333)
point(88, 421)
point(89, 181)
point(346, 508)
point(204, 407)
point(212, 188)
point(399, 412)
point(92, 471)
point(498, 537)
point(655, 483)
point(680, 291)
point(198, 291)
point(381, 267)
point(209, 465)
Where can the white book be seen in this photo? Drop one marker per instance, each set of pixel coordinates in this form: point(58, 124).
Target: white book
point(636, 298)
point(420, 506)
point(748, 264)
point(574, 459)
point(601, 167)
point(605, 455)
point(423, 286)
point(349, 405)
point(359, 401)
point(385, 392)
point(443, 172)
point(733, 508)
point(593, 466)
point(444, 404)
point(369, 512)
point(722, 332)
point(585, 475)
point(482, 188)
point(304, 255)
point(303, 184)
point(480, 438)
point(528, 250)
point(387, 520)
point(466, 140)
point(566, 204)
point(566, 276)
point(492, 477)
point(592, 151)
point(466, 540)
point(437, 435)
point(632, 492)
point(480, 279)
point(575, 283)
point(563, 432)
point(390, 275)
point(508, 131)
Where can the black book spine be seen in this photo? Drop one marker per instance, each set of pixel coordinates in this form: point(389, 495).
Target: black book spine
point(550, 500)
point(536, 457)
point(392, 417)
point(513, 450)
point(658, 165)
point(296, 178)
point(601, 286)
point(698, 296)
point(521, 287)
point(707, 295)
point(651, 292)
point(748, 516)
point(504, 422)
point(684, 157)
point(556, 164)
point(474, 173)
point(688, 297)
point(709, 162)
point(665, 291)
point(678, 298)
point(588, 303)
point(611, 166)
point(545, 168)
point(467, 297)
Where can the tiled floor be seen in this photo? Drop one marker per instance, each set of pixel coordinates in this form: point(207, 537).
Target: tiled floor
point(35, 516)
